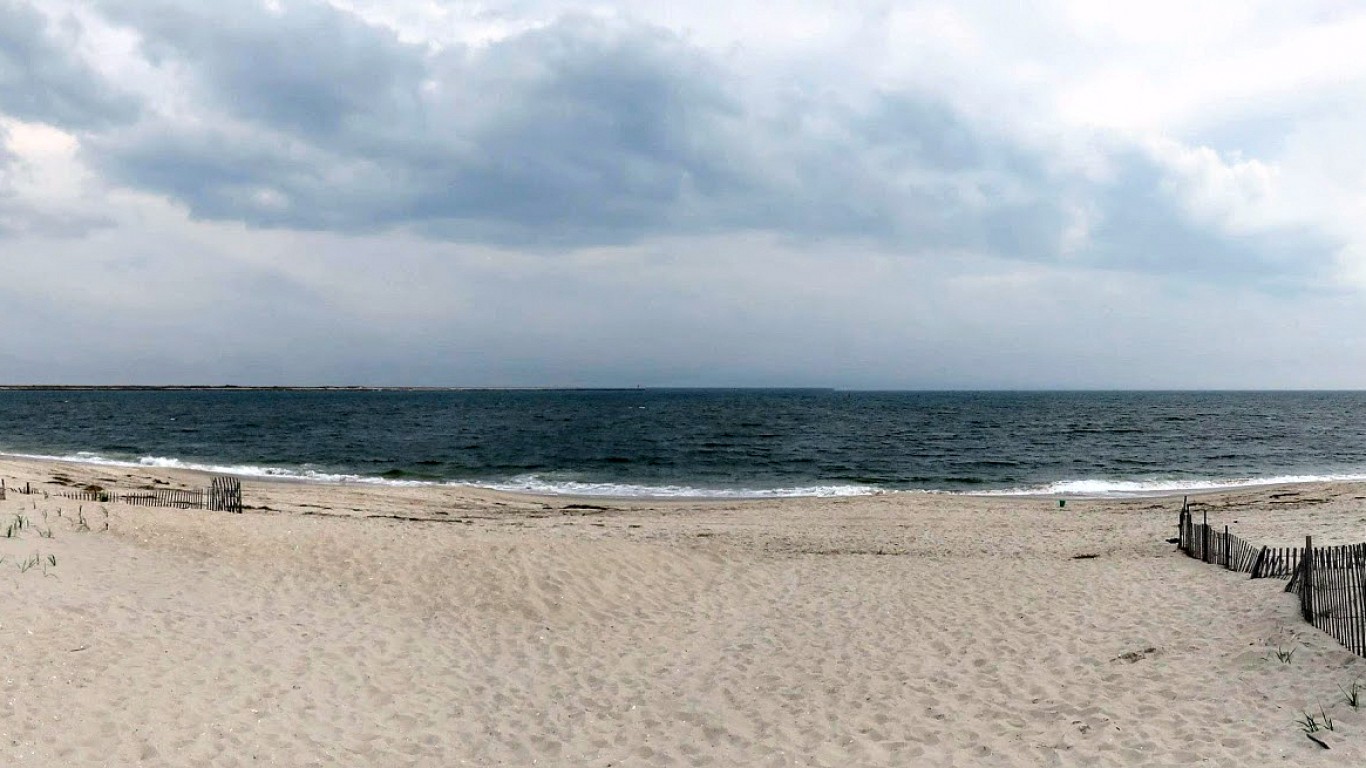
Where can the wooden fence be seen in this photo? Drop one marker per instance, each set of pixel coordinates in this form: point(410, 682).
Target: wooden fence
point(1203, 541)
point(160, 497)
point(1330, 581)
point(1331, 584)
point(223, 494)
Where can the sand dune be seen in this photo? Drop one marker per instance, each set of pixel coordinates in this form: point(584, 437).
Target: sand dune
point(902, 629)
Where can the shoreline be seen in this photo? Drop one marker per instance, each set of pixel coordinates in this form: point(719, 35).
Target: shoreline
point(1325, 499)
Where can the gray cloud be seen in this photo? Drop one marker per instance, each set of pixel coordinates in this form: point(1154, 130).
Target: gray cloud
point(19, 216)
point(583, 132)
point(587, 132)
point(308, 68)
point(1143, 228)
point(579, 131)
point(41, 79)
point(714, 311)
point(604, 202)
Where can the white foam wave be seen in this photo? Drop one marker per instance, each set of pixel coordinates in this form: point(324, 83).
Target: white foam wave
point(1102, 488)
point(538, 485)
point(1082, 487)
point(241, 470)
point(523, 484)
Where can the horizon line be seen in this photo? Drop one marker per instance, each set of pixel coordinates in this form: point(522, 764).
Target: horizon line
point(631, 388)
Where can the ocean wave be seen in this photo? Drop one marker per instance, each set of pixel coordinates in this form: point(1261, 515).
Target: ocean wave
point(521, 484)
point(548, 486)
point(542, 486)
point(241, 470)
point(1108, 488)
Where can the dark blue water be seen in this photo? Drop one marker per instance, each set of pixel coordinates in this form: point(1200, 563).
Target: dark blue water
point(702, 442)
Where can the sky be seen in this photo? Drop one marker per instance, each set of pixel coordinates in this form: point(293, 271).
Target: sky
point(865, 195)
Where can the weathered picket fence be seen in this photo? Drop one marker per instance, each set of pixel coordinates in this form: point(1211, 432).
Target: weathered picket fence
point(159, 497)
point(1331, 584)
point(223, 494)
point(1221, 547)
point(1330, 581)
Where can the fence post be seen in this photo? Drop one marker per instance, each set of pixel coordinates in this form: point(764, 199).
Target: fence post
point(1360, 611)
point(1228, 556)
point(1307, 580)
point(1204, 555)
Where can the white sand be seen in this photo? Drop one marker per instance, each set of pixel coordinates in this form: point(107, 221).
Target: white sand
point(893, 630)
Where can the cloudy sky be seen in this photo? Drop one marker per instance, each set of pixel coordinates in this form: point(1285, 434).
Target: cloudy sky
point(855, 194)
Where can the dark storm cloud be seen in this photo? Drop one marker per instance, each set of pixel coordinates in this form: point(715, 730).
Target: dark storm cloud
point(586, 132)
point(308, 68)
point(582, 132)
point(42, 80)
point(579, 132)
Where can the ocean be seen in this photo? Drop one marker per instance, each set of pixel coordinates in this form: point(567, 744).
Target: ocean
point(712, 443)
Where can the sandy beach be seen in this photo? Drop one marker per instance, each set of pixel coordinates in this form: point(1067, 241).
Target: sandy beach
point(438, 626)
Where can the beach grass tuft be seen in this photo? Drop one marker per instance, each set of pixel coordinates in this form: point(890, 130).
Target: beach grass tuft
point(1352, 694)
point(16, 527)
point(1312, 724)
point(1285, 656)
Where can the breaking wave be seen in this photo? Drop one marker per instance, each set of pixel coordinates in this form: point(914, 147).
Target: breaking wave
point(1106, 488)
point(522, 484)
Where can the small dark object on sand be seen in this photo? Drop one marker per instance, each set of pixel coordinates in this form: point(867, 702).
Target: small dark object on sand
point(1084, 557)
point(1133, 656)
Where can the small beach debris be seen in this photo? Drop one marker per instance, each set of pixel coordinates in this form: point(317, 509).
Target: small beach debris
point(1085, 557)
point(1134, 656)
